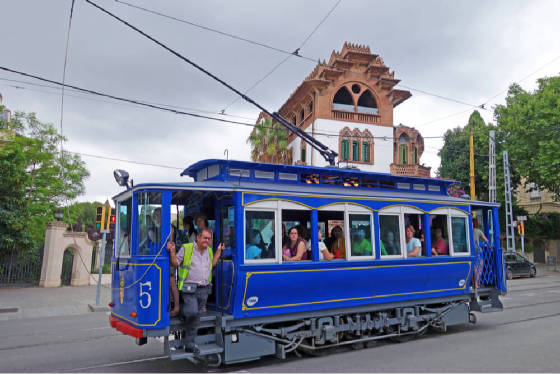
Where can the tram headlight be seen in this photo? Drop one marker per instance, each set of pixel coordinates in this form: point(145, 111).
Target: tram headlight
point(121, 176)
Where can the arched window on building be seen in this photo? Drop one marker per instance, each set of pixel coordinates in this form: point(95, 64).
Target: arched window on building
point(302, 114)
point(303, 152)
point(355, 150)
point(343, 100)
point(403, 149)
point(344, 146)
point(367, 103)
point(367, 147)
point(414, 156)
point(310, 107)
point(294, 119)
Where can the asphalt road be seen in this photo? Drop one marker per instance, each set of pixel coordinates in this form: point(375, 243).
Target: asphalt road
point(525, 337)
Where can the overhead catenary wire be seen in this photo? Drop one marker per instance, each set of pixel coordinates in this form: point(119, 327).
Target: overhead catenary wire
point(170, 106)
point(230, 35)
point(180, 112)
point(295, 53)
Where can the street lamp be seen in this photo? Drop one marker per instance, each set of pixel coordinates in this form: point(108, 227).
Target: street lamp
point(58, 215)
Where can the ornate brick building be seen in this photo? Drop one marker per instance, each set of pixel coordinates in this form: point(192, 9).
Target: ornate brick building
point(347, 103)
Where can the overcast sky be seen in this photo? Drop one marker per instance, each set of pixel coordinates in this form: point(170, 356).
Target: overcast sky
point(467, 51)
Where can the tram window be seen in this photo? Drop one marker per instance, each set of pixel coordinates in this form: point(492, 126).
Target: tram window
point(360, 234)
point(301, 219)
point(259, 235)
point(390, 231)
point(122, 247)
point(149, 223)
point(416, 221)
point(228, 229)
point(459, 235)
point(439, 235)
point(335, 238)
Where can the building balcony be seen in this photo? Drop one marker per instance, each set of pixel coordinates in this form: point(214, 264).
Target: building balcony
point(355, 116)
point(410, 170)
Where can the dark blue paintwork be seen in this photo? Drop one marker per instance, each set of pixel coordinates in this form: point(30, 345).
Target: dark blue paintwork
point(256, 290)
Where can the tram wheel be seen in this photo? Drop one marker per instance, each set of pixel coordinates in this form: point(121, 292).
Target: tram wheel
point(472, 318)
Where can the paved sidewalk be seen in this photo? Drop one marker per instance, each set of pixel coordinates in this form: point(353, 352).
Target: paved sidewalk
point(34, 302)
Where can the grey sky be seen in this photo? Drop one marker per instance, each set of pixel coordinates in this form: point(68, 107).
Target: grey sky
point(468, 51)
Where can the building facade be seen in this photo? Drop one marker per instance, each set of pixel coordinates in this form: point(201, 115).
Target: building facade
point(347, 104)
point(535, 200)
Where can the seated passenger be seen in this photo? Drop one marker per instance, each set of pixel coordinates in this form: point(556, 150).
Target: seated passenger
point(391, 248)
point(413, 246)
point(253, 250)
point(338, 247)
point(296, 245)
point(324, 253)
point(360, 245)
point(440, 246)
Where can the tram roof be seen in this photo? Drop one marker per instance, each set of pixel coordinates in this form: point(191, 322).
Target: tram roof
point(230, 175)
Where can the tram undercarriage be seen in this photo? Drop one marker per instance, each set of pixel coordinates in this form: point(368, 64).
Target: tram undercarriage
point(223, 340)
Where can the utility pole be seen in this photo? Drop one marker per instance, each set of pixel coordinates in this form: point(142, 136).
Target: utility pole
point(471, 148)
point(492, 167)
point(510, 232)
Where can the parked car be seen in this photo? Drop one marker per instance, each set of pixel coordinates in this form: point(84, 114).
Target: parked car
point(518, 266)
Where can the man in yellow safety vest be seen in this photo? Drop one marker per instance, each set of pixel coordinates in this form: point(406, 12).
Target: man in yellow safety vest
point(195, 262)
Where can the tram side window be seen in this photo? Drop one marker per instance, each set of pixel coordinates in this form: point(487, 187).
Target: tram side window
point(122, 247)
point(334, 241)
point(149, 223)
point(360, 238)
point(300, 219)
point(416, 221)
point(390, 232)
point(459, 234)
point(259, 235)
point(439, 234)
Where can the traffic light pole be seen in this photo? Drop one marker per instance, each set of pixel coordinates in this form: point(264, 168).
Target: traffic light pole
point(101, 262)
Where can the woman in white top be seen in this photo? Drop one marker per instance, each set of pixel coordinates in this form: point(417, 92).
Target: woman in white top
point(413, 245)
point(324, 253)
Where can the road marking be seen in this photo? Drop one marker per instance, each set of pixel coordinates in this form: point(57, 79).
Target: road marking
point(115, 364)
point(98, 328)
point(528, 294)
point(554, 291)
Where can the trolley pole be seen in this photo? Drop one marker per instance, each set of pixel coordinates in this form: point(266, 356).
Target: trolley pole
point(471, 159)
point(101, 261)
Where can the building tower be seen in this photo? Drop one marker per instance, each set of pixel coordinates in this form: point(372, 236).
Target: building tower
point(347, 103)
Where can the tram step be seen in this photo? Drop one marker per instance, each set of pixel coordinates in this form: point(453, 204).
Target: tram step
point(200, 339)
point(206, 320)
point(205, 350)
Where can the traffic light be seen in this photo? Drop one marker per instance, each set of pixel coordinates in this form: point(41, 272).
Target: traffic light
point(112, 219)
point(100, 218)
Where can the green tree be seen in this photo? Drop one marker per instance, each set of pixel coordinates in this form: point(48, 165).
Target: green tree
point(50, 180)
point(530, 124)
point(14, 215)
point(269, 143)
point(455, 162)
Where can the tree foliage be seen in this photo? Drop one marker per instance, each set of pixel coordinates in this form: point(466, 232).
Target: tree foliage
point(455, 163)
point(530, 124)
point(39, 173)
point(269, 143)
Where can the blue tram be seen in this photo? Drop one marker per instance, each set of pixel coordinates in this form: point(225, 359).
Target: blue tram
point(261, 305)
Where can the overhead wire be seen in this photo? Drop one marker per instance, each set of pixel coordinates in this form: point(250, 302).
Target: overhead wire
point(295, 53)
point(215, 30)
point(171, 106)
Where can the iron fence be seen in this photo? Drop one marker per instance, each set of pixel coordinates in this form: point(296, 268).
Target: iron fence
point(21, 270)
